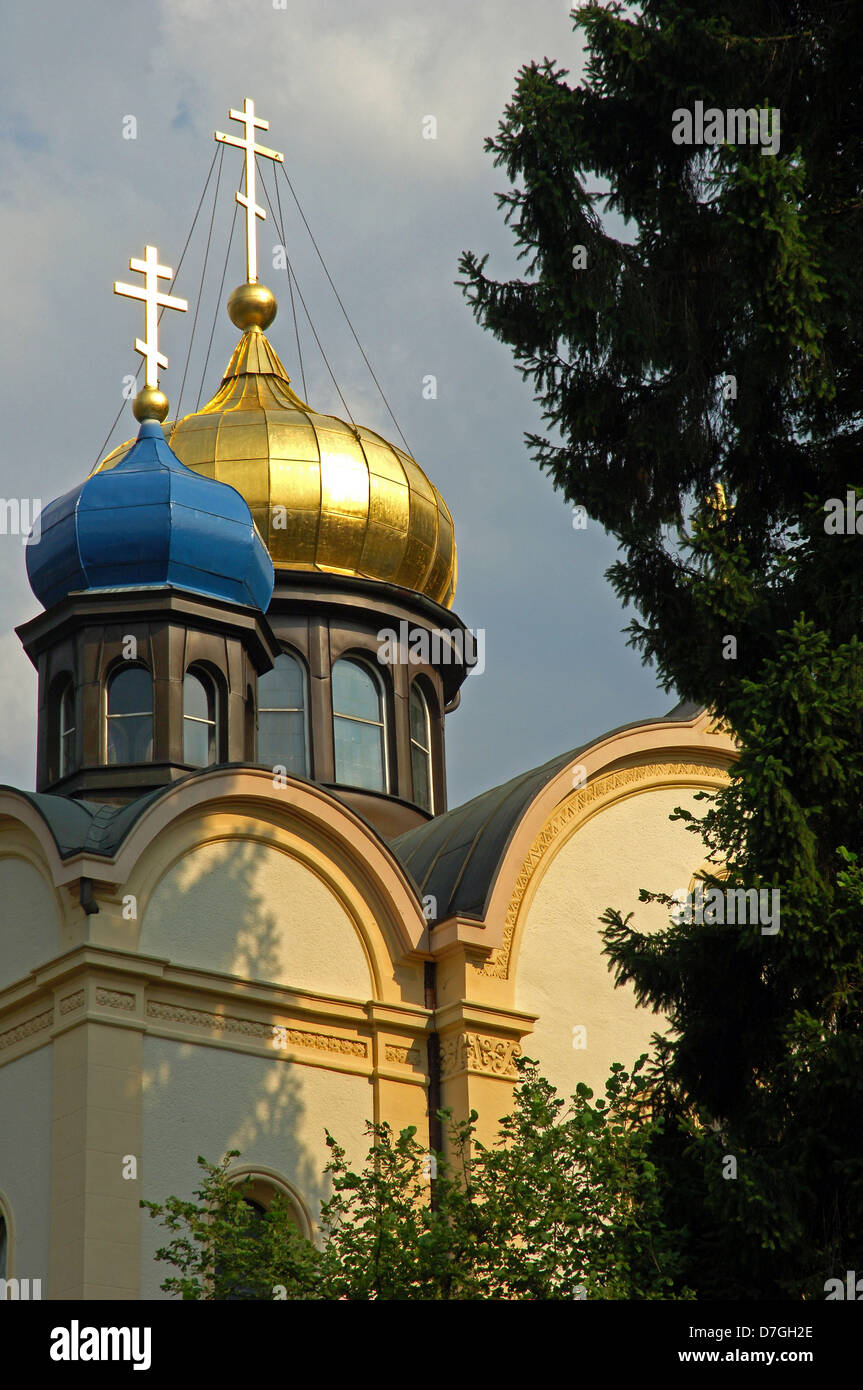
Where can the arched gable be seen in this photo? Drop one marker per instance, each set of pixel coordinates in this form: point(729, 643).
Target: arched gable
point(30, 924)
point(288, 858)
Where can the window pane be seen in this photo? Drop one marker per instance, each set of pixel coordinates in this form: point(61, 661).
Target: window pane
point(359, 754)
point(130, 740)
point(197, 739)
point(197, 697)
point(67, 710)
point(419, 718)
point(282, 740)
point(131, 692)
point(67, 729)
point(282, 688)
point(422, 778)
point(355, 691)
point(67, 752)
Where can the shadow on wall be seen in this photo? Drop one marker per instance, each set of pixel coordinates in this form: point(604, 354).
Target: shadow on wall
point(220, 911)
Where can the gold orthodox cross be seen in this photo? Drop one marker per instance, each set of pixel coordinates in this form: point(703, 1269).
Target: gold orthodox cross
point(248, 199)
point(153, 301)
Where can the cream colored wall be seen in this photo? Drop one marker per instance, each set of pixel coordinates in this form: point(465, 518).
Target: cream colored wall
point(244, 908)
point(29, 930)
point(204, 1100)
point(25, 1160)
point(561, 973)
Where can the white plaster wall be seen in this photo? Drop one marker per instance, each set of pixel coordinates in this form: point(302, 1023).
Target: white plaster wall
point(29, 930)
point(248, 909)
point(561, 973)
point(206, 1100)
point(25, 1159)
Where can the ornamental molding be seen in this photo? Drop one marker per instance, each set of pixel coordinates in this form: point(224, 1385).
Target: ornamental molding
point(477, 1052)
point(281, 1037)
point(24, 1030)
point(497, 966)
point(115, 999)
point(404, 1055)
point(72, 1002)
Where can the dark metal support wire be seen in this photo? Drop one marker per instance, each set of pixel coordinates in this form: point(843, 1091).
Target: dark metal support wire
point(200, 289)
point(343, 309)
point(218, 306)
point(161, 311)
point(303, 302)
point(291, 291)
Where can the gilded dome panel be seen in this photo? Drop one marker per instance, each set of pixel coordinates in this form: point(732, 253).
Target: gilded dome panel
point(296, 535)
point(326, 495)
point(251, 477)
point(244, 438)
point(340, 542)
point(199, 451)
point(299, 479)
point(292, 438)
point(417, 480)
point(383, 460)
point(390, 506)
point(383, 551)
point(442, 572)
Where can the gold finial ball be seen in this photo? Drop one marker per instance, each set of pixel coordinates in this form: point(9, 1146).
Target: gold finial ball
point(150, 404)
point(252, 305)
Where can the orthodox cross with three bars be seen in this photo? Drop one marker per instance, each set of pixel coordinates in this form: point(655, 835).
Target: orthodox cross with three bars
point(153, 300)
point(248, 199)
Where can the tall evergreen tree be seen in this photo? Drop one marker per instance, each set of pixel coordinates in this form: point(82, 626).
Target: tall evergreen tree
point(702, 371)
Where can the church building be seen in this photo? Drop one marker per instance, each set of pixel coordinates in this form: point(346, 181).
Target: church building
point(237, 910)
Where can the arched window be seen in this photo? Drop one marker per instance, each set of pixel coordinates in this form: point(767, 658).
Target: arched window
point(67, 730)
point(421, 762)
point(358, 724)
point(258, 1195)
point(200, 719)
point(4, 1245)
point(282, 727)
point(130, 716)
point(260, 1190)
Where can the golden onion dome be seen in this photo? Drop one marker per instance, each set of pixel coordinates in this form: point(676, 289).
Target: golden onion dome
point(326, 496)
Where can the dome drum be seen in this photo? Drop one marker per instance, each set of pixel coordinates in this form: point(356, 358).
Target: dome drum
point(323, 622)
point(80, 645)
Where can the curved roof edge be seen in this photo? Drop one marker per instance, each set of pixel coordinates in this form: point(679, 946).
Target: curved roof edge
point(99, 828)
point(86, 827)
point(456, 857)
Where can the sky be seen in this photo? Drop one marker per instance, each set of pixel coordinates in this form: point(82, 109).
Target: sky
point(347, 89)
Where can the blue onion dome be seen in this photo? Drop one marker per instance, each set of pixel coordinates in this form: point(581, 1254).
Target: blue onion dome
point(151, 521)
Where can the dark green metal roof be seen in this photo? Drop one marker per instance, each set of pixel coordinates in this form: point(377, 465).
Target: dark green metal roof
point(87, 826)
point(93, 827)
point(455, 857)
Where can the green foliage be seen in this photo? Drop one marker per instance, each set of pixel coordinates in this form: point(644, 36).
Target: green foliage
point(705, 263)
point(224, 1252)
point(768, 1031)
point(566, 1204)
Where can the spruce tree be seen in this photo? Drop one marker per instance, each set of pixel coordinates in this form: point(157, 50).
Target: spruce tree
point(690, 319)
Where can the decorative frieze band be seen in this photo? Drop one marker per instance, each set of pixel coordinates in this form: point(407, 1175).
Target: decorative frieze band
point(479, 1053)
point(115, 999)
point(250, 1028)
point(24, 1030)
point(403, 1055)
point(573, 808)
point(72, 1002)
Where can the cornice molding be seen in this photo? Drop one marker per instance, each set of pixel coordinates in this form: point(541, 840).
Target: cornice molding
point(579, 807)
